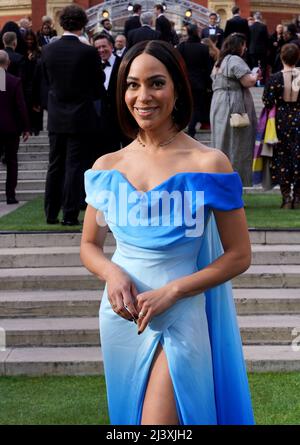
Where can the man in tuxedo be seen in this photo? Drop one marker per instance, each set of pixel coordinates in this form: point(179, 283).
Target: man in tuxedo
point(259, 42)
point(73, 72)
point(120, 46)
point(145, 32)
point(111, 135)
point(107, 29)
point(13, 121)
point(163, 25)
point(213, 30)
point(16, 66)
point(237, 24)
point(134, 21)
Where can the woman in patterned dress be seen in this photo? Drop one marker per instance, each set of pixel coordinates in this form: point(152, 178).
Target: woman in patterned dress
point(282, 90)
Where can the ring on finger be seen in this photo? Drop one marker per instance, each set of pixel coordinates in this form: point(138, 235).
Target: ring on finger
point(141, 314)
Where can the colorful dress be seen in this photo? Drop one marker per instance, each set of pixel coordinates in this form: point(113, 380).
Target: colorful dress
point(285, 164)
point(159, 241)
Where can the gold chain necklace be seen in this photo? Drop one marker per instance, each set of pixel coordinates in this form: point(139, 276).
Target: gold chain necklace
point(162, 144)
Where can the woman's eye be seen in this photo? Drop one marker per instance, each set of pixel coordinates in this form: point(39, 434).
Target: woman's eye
point(158, 83)
point(132, 85)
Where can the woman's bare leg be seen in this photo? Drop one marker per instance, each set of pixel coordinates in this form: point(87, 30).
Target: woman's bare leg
point(159, 404)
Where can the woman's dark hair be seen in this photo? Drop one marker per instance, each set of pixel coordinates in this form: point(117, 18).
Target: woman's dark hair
point(174, 63)
point(13, 27)
point(231, 45)
point(193, 33)
point(290, 54)
point(73, 18)
point(30, 33)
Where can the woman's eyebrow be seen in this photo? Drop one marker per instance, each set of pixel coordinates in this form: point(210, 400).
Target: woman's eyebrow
point(155, 76)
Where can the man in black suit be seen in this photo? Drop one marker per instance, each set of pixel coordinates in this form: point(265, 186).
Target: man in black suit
point(236, 24)
point(163, 25)
point(75, 78)
point(259, 43)
point(111, 135)
point(120, 45)
point(13, 121)
point(17, 61)
point(213, 31)
point(134, 21)
point(145, 32)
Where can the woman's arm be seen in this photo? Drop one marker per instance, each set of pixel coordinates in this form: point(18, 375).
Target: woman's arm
point(249, 80)
point(233, 230)
point(120, 289)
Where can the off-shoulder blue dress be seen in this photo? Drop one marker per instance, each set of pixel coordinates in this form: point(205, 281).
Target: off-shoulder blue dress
point(161, 235)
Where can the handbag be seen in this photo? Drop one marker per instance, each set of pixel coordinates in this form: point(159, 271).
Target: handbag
point(237, 120)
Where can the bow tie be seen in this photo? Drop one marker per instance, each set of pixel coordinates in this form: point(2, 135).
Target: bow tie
point(105, 64)
point(212, 27)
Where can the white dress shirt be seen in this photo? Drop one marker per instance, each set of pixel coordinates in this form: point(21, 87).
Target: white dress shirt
point(108, 70)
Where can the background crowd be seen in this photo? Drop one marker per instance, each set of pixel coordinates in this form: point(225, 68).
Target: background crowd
point(74, 78)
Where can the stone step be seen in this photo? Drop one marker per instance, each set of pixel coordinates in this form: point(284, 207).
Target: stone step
point(275, 254)
point(88, 360)
point(33, 156)
point(51, 361)
point(28, 165)
point(18, 257)
point(26, 175)
point(48, 278)
point(269, 329)
point(26, 195)
point(75, 331)
point(267, 301)
point(34, 148)
point(28, 184)
point(29, 304)
point(44, 239)
point(84, 331)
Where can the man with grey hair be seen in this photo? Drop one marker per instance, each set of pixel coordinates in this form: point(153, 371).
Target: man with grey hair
point(13, 121)
point(145, 32)
point(258, 47)
point(17, 61)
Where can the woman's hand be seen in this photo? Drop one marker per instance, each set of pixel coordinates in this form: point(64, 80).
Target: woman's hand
point(122, 292)
point(152, 303)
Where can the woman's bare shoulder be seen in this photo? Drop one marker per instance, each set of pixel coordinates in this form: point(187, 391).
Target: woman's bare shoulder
point(108, 161)
point(211, 160)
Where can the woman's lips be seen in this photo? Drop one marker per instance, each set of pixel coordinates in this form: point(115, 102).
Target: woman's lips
point(145, 111)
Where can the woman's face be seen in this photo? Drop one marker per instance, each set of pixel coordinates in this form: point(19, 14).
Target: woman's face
point(29, 42)
point(150, 94)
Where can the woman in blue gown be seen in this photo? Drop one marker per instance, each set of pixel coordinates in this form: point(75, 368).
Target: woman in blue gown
point(170, 341)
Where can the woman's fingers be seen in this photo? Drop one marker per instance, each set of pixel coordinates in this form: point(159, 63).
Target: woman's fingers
point(144, 318)
point(129, 305)
point(118, 307)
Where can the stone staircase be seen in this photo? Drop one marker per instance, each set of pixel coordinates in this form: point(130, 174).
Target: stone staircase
point(49, 304)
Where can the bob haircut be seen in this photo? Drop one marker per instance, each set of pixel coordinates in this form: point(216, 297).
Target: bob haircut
point(290, 54)
point(174, 63)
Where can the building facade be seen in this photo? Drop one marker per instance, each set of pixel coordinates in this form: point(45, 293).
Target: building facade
point(274, 11)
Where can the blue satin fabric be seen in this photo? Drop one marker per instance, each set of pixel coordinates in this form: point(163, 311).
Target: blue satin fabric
point(199, 334)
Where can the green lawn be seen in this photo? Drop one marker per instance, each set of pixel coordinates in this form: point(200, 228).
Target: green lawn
point(262, 212)
point(82, 400)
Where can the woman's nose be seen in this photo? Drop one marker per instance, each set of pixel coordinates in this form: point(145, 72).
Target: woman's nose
point(144, 94)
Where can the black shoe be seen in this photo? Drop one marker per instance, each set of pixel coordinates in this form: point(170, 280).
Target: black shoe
point(52, 221)
point(12, 201)
point(71, 222)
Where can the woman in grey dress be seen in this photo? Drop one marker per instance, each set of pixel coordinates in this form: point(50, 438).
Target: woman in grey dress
point(232, 79)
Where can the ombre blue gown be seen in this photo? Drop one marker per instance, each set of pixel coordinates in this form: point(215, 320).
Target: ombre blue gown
point(199, 334)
